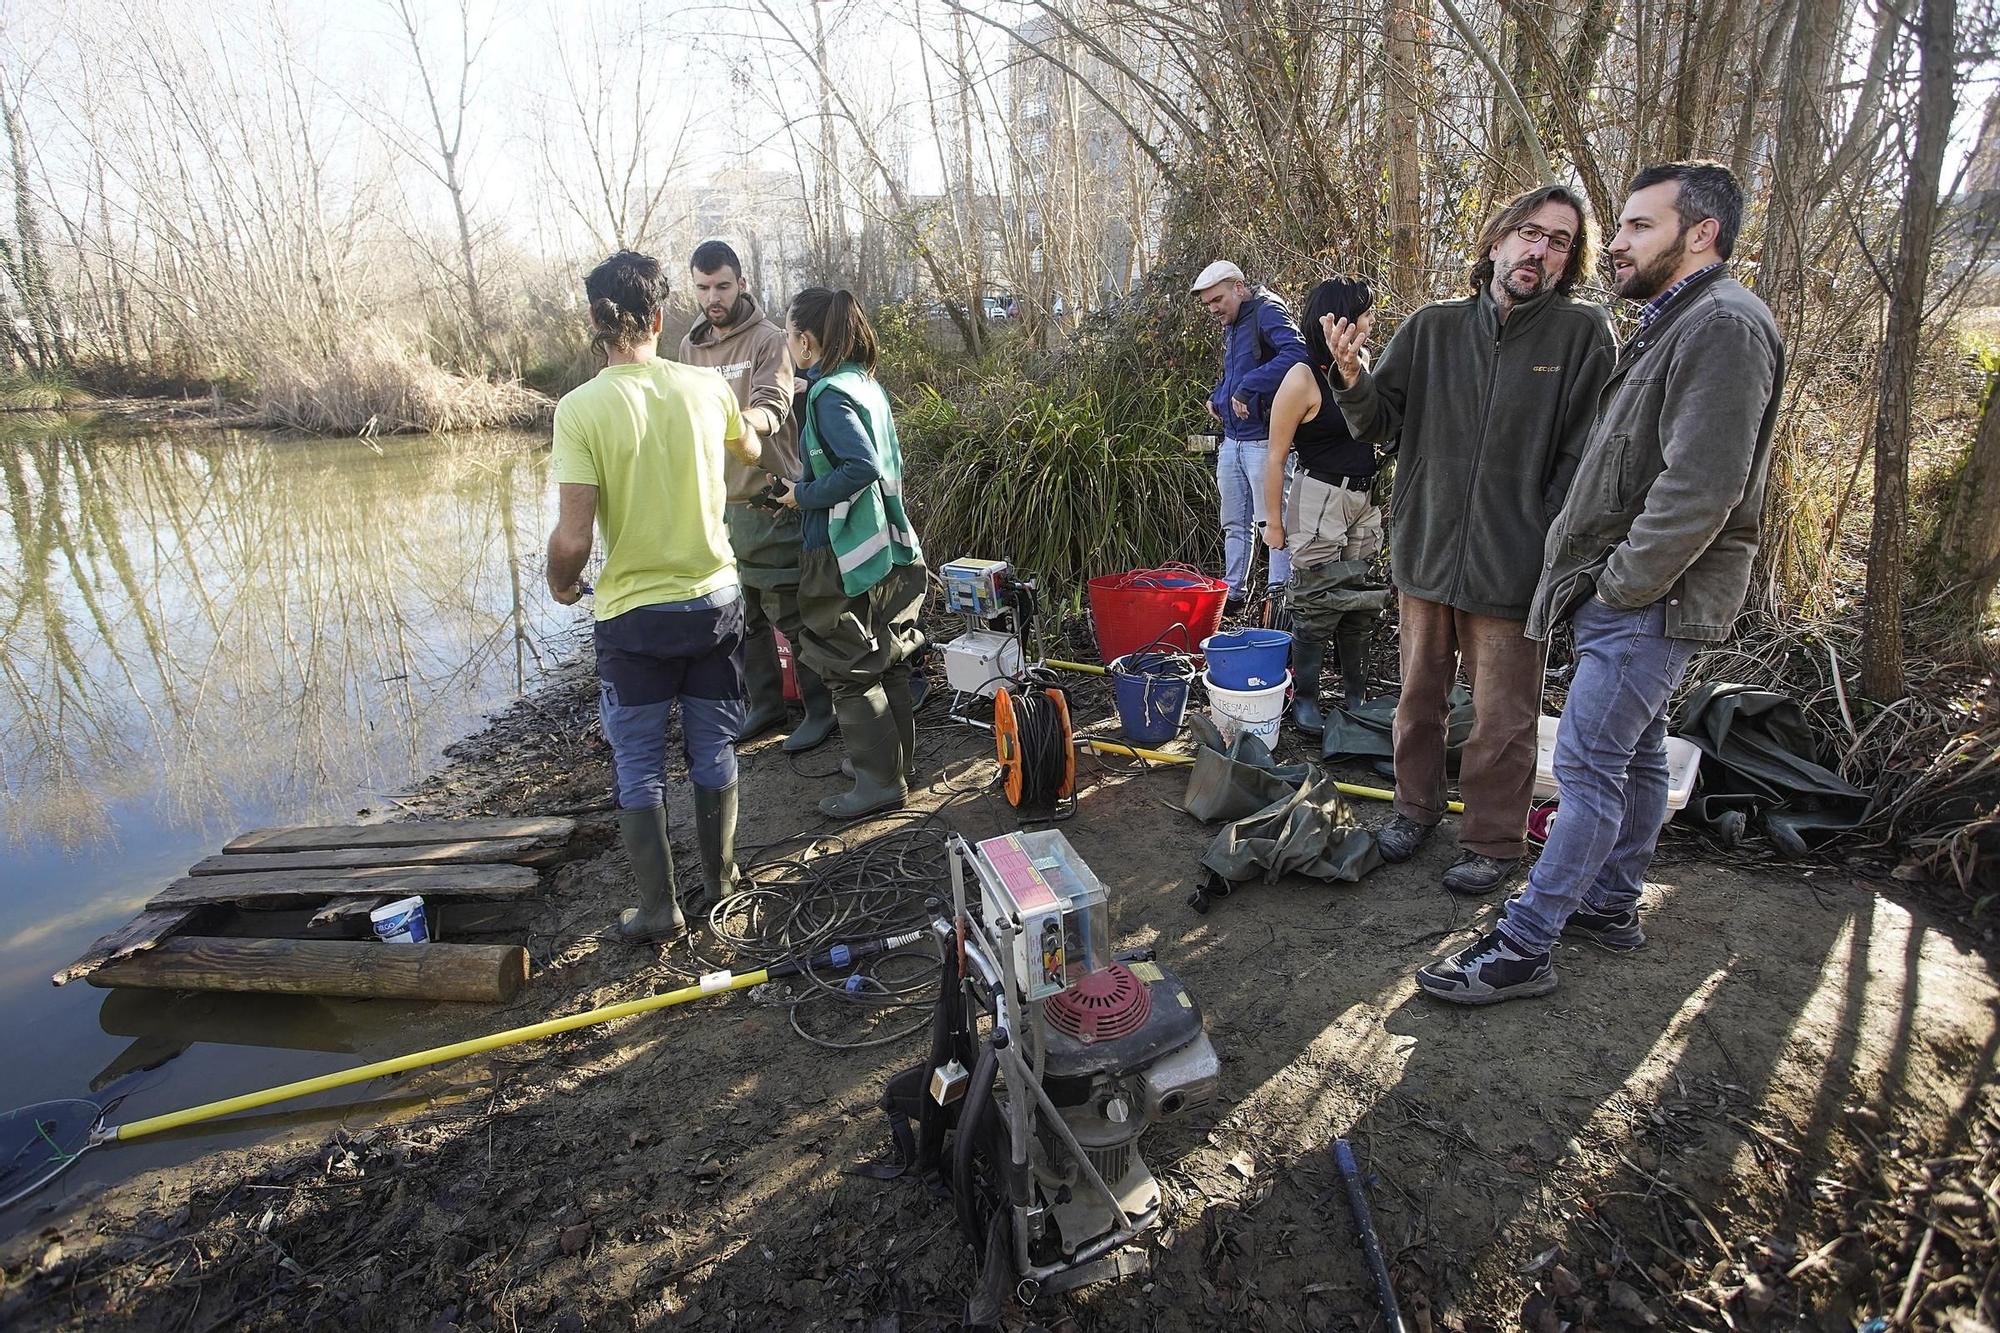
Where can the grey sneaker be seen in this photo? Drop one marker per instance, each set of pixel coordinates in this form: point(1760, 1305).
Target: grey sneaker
point(1475, 873)
point(1616, 932)
point(1399, 839)
point(1488, 971)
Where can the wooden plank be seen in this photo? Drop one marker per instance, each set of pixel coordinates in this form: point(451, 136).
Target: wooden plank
point(343, 909)
point(406, 833)
point(310, 888)
point(142, 932)
point(359, 969)
point(521, 851)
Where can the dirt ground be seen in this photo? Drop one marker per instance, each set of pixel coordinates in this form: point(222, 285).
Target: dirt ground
point(1780, 1114)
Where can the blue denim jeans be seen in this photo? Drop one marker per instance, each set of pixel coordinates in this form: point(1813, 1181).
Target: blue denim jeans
point(1611, 767)
point(1239, 475)
point(646, 660)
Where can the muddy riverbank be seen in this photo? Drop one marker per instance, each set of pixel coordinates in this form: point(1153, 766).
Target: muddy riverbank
point(1770, 1117)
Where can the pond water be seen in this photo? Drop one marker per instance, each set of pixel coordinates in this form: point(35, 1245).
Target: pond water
point(210, 632)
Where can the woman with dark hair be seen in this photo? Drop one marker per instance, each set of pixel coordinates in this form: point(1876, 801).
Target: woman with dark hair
point(861, 571)
point(1329, 520)
point(639, 453)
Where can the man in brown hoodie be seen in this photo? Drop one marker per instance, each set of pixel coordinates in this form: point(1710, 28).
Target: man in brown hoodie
point(734, 337)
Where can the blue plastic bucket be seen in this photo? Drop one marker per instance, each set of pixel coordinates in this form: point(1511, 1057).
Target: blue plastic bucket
point(1248, 659)
point(1152, 694)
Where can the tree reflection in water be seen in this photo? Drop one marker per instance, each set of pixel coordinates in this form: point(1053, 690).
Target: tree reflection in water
point(216, 621)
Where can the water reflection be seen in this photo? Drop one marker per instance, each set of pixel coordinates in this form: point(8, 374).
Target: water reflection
point(225, 621)
point(205, 633)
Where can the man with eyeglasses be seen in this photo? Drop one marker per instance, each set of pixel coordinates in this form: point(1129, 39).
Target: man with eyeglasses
point(1649, 560)
point(1492, 396)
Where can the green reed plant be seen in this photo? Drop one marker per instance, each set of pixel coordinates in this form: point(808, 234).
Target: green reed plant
point(1063, 477)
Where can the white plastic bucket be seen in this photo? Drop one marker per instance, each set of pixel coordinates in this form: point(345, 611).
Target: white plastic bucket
point(401, 922)
point(1259, 712)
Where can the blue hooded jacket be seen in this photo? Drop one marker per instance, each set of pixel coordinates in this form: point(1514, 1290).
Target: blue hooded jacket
point(1253, 366)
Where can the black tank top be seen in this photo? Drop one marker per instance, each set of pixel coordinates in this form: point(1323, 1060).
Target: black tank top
point(1323, 445)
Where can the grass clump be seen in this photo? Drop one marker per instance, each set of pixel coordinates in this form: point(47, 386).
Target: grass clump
point(377, 384)
point(1064, 479)
point(41, 391)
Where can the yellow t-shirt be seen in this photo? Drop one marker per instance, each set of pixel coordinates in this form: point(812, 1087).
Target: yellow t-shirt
point(650, 438)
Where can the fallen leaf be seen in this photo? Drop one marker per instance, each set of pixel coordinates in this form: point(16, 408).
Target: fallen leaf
point(1629, 1303)
point(1540, 1261)
point(1243, 1164)
point(1563, 1284)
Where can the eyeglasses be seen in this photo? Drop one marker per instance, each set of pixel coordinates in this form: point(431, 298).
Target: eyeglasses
point(1559, 241)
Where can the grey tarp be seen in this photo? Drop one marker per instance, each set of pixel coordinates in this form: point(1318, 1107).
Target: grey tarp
point(1367, 732)
point(1759, 758)
point(1281, 821)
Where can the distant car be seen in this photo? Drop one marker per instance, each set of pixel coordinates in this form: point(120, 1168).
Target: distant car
point(996, 309)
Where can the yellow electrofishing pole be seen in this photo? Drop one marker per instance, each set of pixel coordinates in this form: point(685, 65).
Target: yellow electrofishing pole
point(35, 1140)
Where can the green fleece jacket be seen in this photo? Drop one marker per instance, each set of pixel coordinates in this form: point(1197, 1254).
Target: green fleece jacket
point(1492, 418)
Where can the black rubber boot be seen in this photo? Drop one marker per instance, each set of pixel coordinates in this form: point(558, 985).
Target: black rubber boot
point(868, 728)
point(715, 835)
point(658, 915)
point(1308, 655)
point(763, 687)
point(813, 732)
point(1352, 639)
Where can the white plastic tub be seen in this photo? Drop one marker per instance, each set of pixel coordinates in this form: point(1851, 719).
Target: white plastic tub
point(1259, 712)
point(1683, 762)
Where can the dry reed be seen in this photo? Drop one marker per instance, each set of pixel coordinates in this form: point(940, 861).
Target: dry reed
point(378, 384)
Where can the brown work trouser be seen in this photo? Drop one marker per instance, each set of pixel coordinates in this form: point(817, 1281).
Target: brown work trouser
point(1496, 771)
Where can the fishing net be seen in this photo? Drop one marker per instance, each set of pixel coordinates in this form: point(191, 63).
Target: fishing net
point(37, 1143)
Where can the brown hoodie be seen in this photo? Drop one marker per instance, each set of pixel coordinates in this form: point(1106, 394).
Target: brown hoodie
point(751, 354)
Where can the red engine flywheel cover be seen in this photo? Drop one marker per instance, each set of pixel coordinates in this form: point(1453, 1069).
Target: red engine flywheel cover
point(1103, 1006)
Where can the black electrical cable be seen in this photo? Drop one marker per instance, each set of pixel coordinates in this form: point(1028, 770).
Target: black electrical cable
point(1045, 743)
point(796, 907)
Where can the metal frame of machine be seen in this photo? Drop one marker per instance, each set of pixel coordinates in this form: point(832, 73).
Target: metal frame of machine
point(1029, 923)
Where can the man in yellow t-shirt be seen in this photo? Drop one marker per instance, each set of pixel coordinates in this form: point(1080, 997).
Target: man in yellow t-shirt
point(639, 454)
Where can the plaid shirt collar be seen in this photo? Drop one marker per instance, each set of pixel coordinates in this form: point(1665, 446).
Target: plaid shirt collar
point(1653, 308)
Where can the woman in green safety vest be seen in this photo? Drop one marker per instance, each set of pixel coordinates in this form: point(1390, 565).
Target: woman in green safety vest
point(861, 572)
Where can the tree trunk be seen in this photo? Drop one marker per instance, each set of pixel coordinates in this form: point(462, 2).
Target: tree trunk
point(1968, 542)
point(1400, 121)
point(1882, 648)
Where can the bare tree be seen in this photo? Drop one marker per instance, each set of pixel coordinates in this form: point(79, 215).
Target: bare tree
point(1882, 662)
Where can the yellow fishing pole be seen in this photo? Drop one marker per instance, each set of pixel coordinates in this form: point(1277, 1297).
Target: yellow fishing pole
point(1162, 757)
point(32, 1138)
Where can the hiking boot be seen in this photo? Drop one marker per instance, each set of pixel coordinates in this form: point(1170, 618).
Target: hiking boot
point(818, 725)
point(763, 688)
point(1474, 873)
point(1614, 932)
point(715, 836)
point(1399, 839)
point(1488, 971)
point(868, 728)
point(658, 916)
point(1308, 656)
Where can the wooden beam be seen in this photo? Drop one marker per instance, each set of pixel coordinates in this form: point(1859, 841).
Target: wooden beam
point(142, 932)
point(359, 969)
point(407, 833)
point(521, 851)
point(310, 888)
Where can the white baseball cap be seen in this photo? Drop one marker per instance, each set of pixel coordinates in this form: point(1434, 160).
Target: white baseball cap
point(1220, 271)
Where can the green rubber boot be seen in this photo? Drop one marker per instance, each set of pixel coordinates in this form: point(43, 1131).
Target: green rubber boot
point(763, 687)
point(868, 728)
point(1308, 656)
point(813, 732)
point(715, 835)
point(903, 705)
point(658, 916)
point(1355, 630)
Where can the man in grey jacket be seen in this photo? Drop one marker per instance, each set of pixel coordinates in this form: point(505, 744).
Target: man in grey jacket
point(1491, 395)
point(1649, 559)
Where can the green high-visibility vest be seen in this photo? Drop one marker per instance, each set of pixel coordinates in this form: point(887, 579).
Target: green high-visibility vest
point(870, 532)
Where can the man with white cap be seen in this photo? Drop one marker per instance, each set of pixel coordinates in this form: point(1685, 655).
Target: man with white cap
point(1260, 343)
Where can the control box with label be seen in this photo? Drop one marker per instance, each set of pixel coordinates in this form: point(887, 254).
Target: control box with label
point(973, 587)
point(1038, 885)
